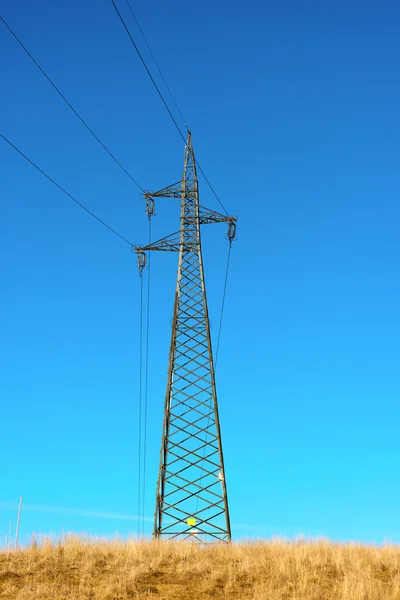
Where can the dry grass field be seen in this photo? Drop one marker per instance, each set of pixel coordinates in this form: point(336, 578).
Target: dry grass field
point(82, 569)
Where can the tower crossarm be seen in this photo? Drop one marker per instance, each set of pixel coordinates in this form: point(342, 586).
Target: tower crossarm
point(171, 191)
point(170, 243)
point(206, 216)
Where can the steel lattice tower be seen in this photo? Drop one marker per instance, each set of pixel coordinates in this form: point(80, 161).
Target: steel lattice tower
point(191, 500)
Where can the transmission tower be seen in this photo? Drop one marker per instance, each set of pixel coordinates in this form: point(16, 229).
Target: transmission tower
point(191, 499)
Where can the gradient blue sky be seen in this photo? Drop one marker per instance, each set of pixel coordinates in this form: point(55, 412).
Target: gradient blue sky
point(294, 108)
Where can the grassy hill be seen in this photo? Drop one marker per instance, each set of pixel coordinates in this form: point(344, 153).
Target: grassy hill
point(79, 569)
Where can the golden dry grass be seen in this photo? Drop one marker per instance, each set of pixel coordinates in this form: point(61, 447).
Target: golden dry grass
point(82, 569)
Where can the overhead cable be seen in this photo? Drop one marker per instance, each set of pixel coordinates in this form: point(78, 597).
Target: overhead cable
point(216, 359)
point(65, 191)
point(155, 62)
point(211, 188)
point(223, 304)
point(146, 385)
point(148, 71)
point(140, 401)
point(161, 96)
point(71, 107)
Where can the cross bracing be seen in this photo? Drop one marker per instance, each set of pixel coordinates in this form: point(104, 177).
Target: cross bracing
point(191, 498)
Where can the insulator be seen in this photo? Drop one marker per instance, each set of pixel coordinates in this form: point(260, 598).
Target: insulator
point(141, 259)
point(231, 231)
point(150, 207)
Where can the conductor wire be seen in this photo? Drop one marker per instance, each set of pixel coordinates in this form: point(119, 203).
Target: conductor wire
point(146, 384)
point(216, 361)
point(139, 496)
point(70, 105)
point(155, 62)
point(65, 191)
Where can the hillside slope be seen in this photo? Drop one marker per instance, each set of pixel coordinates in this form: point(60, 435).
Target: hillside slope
point(81, 569)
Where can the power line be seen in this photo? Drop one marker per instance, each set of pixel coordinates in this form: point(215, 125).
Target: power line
point(216, 358)
point(148, 71)
point(139, 496)
point(211, 188)
point(70, 106)
point(65, 191)
point(223, 304)
point(146, 386)
point(155, 62)
point(160, 94)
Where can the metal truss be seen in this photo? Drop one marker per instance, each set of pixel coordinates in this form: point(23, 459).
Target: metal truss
point(191, 500)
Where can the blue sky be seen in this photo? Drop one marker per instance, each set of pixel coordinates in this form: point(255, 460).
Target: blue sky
point(294, 113)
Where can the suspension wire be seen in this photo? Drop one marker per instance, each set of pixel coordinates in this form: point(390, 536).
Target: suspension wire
point(160, 94)
point(211, 188)
point(148, 71)
point(70, 106)
point(65, 191)
point(140, 409)
point(216, 359)
point(155, 62)
point(146, 381)
point(223, 305)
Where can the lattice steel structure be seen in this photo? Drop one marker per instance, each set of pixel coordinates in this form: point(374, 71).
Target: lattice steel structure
point(191, 499)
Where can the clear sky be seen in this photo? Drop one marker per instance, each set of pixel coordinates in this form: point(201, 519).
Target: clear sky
point(294, 109)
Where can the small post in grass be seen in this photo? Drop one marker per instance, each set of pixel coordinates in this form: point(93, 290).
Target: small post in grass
point(18, 520)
